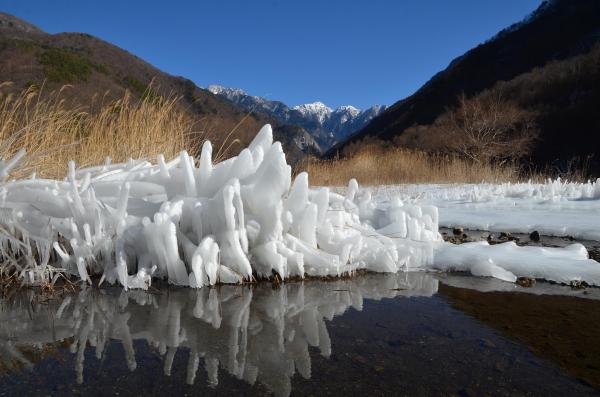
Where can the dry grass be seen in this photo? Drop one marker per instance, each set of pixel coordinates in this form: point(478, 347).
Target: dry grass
point(376, 166)
point(52, 132)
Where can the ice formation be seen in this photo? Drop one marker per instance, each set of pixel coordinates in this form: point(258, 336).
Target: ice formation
point(199, 223)
point(508, 261)
point(195, 223)
point(554, 208)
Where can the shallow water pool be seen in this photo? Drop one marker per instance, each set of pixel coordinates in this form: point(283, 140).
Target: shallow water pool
point(402, 334)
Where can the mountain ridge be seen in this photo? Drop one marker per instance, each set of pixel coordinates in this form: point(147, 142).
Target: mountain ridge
point(328, 126)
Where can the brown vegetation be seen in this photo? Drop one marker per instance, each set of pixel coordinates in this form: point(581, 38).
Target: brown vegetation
point(483, 128)
point(53, 133)
point(481, 139)
point(561, 329)
point(375, 165)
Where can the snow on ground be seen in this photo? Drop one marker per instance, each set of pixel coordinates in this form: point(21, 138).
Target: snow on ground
point(195, 223)
point(554, 208)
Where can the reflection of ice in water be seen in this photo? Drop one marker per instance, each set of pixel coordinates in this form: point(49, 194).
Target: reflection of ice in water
point(256, 334)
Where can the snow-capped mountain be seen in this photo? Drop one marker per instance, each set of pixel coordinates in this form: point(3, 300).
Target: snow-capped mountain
point(345, 120)
point(316, 111)
point(327, 126)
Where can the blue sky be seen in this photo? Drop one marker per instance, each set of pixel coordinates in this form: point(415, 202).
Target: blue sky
point(339, 52)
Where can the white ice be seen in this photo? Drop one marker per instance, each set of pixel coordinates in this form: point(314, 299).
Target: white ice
point(554, 208)
point(196, 223)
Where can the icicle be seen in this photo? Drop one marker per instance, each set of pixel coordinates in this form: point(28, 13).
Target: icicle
point(189, 179)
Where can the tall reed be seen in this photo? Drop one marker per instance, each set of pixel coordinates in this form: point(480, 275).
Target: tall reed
point(53, 131)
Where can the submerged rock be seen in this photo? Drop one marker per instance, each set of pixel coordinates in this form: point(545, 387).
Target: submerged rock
point(526, 281)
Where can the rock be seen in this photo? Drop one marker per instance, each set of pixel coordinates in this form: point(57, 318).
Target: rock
point(491, 239)
point(534, 236)
point(578, 284)
point(458, 231)
point(505, 236)
point(526, 281)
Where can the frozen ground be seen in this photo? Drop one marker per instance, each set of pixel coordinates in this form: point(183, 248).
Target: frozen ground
point(196, 223)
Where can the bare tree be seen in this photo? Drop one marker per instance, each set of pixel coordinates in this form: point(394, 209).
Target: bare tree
point(488, 127)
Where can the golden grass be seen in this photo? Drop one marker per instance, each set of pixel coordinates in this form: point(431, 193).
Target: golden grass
point(376, 166)
point(53, 132)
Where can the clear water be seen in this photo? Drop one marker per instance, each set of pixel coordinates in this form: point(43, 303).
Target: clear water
point(406, 334)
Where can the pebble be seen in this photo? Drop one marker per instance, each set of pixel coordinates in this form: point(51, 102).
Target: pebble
point(534, 236)
point(526, 281)
point(578, 284)
point(458, 231)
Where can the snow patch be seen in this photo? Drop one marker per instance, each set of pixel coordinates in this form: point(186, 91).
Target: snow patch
point(554, 208)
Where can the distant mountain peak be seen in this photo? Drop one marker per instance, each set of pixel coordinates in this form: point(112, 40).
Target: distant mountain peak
point(220, 90)
point(316, 110)
point(317, 106)
point(325, 124)
point(348, 108)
